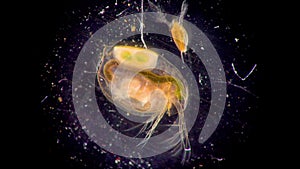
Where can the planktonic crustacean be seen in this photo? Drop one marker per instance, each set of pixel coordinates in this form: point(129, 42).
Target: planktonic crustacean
point(131, 79)
point(176, 28)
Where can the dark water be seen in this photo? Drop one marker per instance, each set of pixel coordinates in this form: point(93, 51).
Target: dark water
point(233, 29)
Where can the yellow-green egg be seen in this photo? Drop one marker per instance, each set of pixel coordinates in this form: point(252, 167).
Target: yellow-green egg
point(141, 57)
point(125, 55)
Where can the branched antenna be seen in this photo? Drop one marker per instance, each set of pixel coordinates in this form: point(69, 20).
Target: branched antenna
point(184, 8)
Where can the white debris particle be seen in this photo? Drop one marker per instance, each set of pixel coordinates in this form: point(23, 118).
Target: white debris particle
point(243, 78)
point(122, 12)
point(102, 11)
point(202, 48)
point(219, 159)
point(236, 39)
point(117, 160)
point(44, 99)
point(217, 27)
point(200, 79)
point(72, 157)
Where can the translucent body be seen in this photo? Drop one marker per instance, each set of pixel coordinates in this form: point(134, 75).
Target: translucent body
point(128, 77)
point(178, 32)
point(180, 37)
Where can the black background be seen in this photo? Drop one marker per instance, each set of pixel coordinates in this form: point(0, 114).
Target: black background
point(39, 22)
